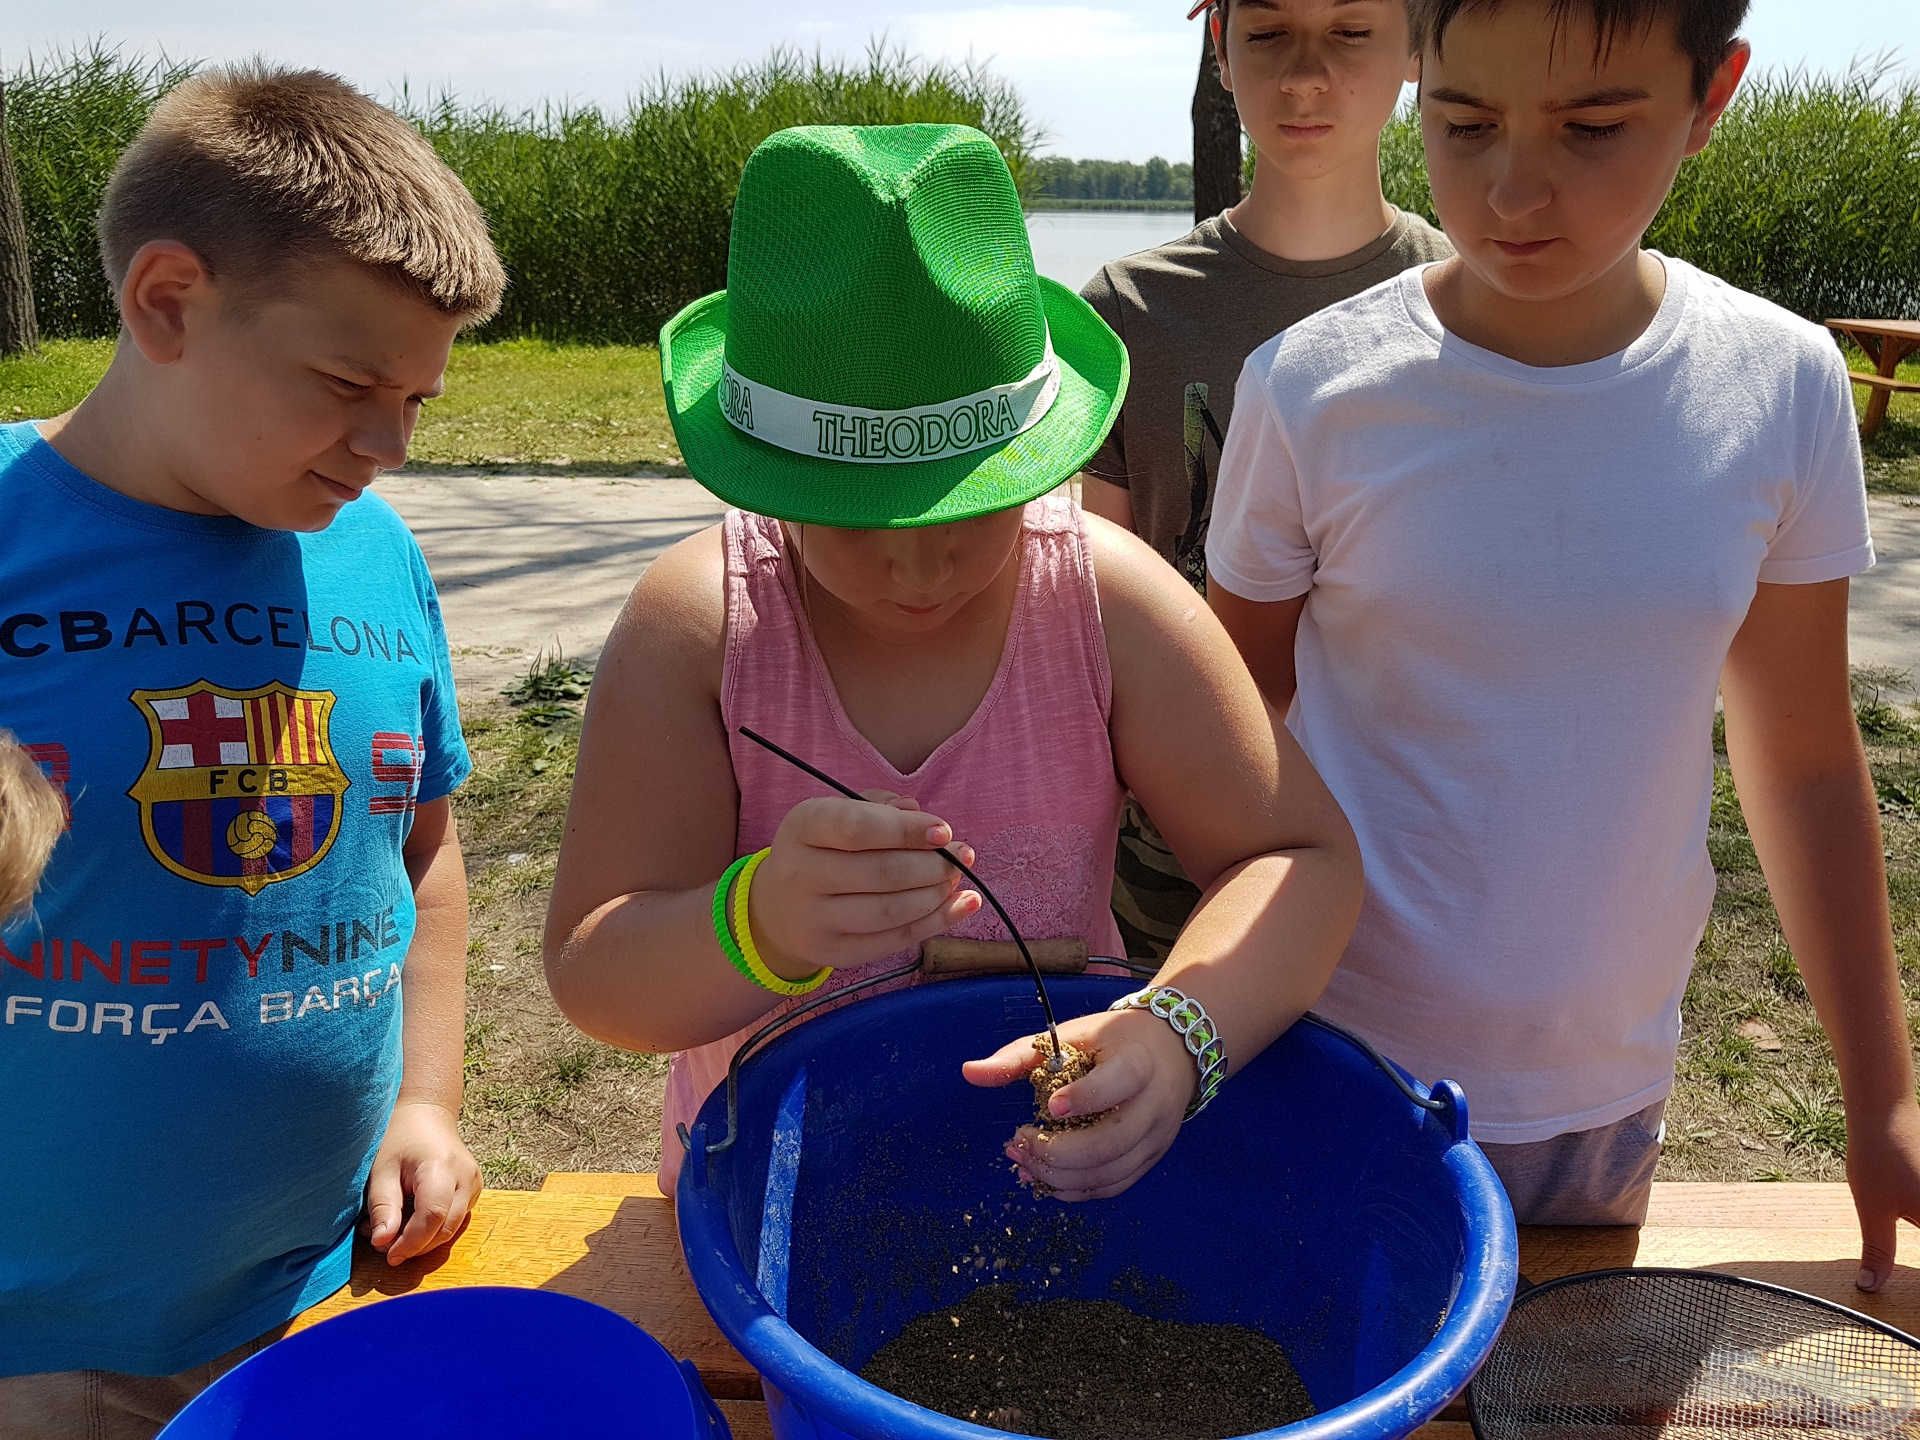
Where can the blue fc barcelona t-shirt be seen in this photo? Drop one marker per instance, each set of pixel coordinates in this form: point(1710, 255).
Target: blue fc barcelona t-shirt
point(200, 1020)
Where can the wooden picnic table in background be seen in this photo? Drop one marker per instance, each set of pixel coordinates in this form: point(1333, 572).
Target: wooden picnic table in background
point(1887, 343)
point(611, 1239)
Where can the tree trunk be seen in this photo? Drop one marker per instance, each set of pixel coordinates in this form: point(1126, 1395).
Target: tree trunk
point(1216, 139)
point(18, 332)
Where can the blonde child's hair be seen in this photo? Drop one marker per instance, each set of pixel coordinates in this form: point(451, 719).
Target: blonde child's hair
point(256, 169)
point(31, 821)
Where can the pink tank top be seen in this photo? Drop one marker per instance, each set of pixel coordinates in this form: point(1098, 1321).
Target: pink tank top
point(1028, 780)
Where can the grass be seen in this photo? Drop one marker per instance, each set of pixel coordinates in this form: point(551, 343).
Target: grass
point(1883, 719)
point(1805, 192)
point(540, 1095)
point(541, 408)
point(544, 408)
point(609, 220)
point(55, 378)
point(1893, 455)
point(1757, 1095)
point(1810, 1121)
point(548, 694)
point(68, 118)
point(528, 405)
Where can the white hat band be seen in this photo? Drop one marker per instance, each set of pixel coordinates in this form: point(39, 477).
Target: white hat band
point(860, 436)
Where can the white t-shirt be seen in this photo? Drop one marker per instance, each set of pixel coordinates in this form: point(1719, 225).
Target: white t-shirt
point(1523, 584)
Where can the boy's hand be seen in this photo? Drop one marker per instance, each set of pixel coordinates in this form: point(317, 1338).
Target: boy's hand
point(423, 1183)
point(1140, 1086)
point(852, 881)
point(1883, 1167)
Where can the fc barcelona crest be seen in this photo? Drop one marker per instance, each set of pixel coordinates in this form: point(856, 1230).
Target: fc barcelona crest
point(241, 786)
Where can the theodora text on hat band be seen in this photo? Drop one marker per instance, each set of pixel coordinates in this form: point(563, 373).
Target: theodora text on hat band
point(890, 437)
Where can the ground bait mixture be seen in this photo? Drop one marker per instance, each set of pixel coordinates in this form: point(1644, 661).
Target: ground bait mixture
point(1075, 1064)
point(1089, 1370)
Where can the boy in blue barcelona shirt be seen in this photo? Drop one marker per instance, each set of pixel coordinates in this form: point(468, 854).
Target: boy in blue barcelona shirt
point(233, 1020)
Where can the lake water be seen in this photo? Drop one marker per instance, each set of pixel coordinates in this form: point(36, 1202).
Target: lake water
point(1070, 245)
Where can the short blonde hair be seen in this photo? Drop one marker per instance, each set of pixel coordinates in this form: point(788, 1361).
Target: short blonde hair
point(253, 167)
point(31, 821)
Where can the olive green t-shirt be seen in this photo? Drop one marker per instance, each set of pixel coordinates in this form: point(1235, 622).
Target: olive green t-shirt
point(1191, 311)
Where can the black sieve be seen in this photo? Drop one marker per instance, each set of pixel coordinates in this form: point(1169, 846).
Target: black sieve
point(1694, 1354)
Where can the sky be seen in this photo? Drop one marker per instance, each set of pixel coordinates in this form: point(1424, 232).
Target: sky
point(1103, 78)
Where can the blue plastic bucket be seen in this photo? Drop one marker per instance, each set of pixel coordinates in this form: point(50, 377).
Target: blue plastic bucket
point(480, 1363)
point(1321, 1200)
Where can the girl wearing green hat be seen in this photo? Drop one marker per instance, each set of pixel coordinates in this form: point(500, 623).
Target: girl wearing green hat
point(889, 395)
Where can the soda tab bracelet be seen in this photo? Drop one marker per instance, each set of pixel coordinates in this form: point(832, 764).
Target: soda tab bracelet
point(736, 936)
point(1192, 1024)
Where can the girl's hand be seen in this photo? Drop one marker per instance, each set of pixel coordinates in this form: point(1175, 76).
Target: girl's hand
point(1140, 1087)
point(423, 1183)
point(852, 881)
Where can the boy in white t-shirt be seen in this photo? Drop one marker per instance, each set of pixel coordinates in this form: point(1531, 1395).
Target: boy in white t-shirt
point(1509, 518)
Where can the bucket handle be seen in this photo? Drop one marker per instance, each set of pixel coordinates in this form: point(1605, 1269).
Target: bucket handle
point(772, 1028)
point(1447, 1101)
point(799, 1012)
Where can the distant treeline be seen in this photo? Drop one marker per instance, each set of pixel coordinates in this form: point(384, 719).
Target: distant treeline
point(1041, 204)
point(1055, 177)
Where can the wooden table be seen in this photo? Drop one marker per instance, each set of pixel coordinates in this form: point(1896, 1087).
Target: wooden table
point(611, 1239)
point(1887, 343)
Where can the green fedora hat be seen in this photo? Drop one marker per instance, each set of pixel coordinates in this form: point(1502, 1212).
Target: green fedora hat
point(884, 354)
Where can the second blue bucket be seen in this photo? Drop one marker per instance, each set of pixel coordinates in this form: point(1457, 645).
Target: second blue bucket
point(480, 1362)
point(1320, 1200)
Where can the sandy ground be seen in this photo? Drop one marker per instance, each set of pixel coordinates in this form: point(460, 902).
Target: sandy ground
point(525, 564)
point(1885, 621)
point(528, 563)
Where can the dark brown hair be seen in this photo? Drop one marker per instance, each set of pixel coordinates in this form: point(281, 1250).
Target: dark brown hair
point(1704, 28)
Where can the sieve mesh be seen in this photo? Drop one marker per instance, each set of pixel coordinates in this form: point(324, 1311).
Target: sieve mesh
point(1693, 1355)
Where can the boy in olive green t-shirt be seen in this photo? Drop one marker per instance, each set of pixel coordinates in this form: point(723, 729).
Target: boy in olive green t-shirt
point(1314, 82)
